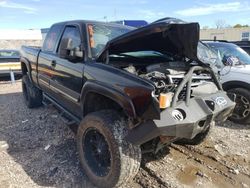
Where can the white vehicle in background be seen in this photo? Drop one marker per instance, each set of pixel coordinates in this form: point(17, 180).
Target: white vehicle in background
point(234, 70)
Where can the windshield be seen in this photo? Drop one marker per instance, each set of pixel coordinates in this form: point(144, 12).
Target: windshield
point(204, 53)
point(208, 56)
point(228, 49)
point(100, 34)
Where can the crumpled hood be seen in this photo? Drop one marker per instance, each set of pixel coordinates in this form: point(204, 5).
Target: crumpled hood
point(177, 38)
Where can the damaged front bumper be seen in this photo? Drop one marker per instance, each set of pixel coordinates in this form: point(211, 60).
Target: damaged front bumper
point(185, 121)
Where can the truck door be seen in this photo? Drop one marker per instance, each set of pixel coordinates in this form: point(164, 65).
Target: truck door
point(46, 57)
point(66, 81)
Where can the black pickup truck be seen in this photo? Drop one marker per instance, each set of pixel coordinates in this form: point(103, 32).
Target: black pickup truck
point(129, 90)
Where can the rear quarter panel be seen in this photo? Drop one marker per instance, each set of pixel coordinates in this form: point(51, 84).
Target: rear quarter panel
point(29, 56)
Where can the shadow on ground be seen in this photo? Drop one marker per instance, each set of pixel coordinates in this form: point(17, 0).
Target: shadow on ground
point(41, 143)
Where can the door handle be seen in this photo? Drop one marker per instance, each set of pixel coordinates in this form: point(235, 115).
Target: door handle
point(53, 63)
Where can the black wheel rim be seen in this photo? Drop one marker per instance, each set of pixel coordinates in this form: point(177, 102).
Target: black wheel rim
point(96, 152)
point(25, 94)
point(242, 108)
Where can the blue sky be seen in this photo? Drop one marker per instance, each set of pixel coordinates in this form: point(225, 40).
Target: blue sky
point(29, 14)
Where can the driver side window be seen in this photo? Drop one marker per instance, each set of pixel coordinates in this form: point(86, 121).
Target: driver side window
point(71, 39)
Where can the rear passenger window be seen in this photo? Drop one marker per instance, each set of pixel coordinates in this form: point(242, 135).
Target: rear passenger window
point(51, 38)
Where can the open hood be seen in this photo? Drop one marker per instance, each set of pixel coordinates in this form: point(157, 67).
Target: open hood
point(165, 36)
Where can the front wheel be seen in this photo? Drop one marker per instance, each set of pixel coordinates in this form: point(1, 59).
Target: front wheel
point(106, 157)
point(241, 113)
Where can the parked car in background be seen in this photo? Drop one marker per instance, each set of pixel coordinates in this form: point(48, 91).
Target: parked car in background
point(234, 69)
point(9, 61)
point(227, 49)
point(245, 45)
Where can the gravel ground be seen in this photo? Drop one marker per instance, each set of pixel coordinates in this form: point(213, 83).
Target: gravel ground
point(37, 149)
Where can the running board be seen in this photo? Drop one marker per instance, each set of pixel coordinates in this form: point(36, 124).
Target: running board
point(73, 118)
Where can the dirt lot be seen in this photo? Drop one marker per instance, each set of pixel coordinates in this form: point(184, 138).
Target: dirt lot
point(37, 149)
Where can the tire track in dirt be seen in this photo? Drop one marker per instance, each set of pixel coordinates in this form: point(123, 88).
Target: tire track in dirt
point(145, 178)
point(215, 166)
point(227, 161)
point(184, 166)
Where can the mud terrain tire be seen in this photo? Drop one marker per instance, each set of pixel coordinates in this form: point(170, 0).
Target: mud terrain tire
point(32, 95)
point(123, 158)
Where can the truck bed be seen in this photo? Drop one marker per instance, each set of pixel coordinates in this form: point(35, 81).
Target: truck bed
point(30, 54)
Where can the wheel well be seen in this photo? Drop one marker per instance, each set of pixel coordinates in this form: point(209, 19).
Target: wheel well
point(24, 68)
point(235, 84)
point(95, 102)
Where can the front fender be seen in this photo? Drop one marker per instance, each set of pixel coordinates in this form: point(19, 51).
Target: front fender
point(123, 100)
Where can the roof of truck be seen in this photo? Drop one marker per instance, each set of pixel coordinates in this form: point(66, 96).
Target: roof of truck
point(93, 22)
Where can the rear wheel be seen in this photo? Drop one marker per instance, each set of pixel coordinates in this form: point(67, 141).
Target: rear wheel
point(241, 113)
point(107, 158)
point(32, 95)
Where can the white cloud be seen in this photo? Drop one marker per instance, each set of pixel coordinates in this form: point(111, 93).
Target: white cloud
point(150, 14)
point(26, 9)
point(208, 9)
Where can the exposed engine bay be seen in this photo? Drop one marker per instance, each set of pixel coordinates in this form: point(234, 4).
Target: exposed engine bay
point(166, 78)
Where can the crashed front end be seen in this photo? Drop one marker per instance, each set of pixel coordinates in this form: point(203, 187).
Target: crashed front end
point(189, 117)
point(187, 97)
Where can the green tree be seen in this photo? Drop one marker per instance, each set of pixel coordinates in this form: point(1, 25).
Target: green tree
point(239, 26)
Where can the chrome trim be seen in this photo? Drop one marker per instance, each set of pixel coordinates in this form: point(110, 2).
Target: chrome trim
point(65, 94)
point(43, 82)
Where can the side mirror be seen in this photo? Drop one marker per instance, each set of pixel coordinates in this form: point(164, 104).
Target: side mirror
point(67, 51)
point(76, 52)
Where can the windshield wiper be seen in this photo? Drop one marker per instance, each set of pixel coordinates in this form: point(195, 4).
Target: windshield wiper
point(126, 55)
point(167, 56)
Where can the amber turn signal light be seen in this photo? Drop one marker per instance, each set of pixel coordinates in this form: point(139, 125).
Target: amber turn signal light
point(165, 100)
